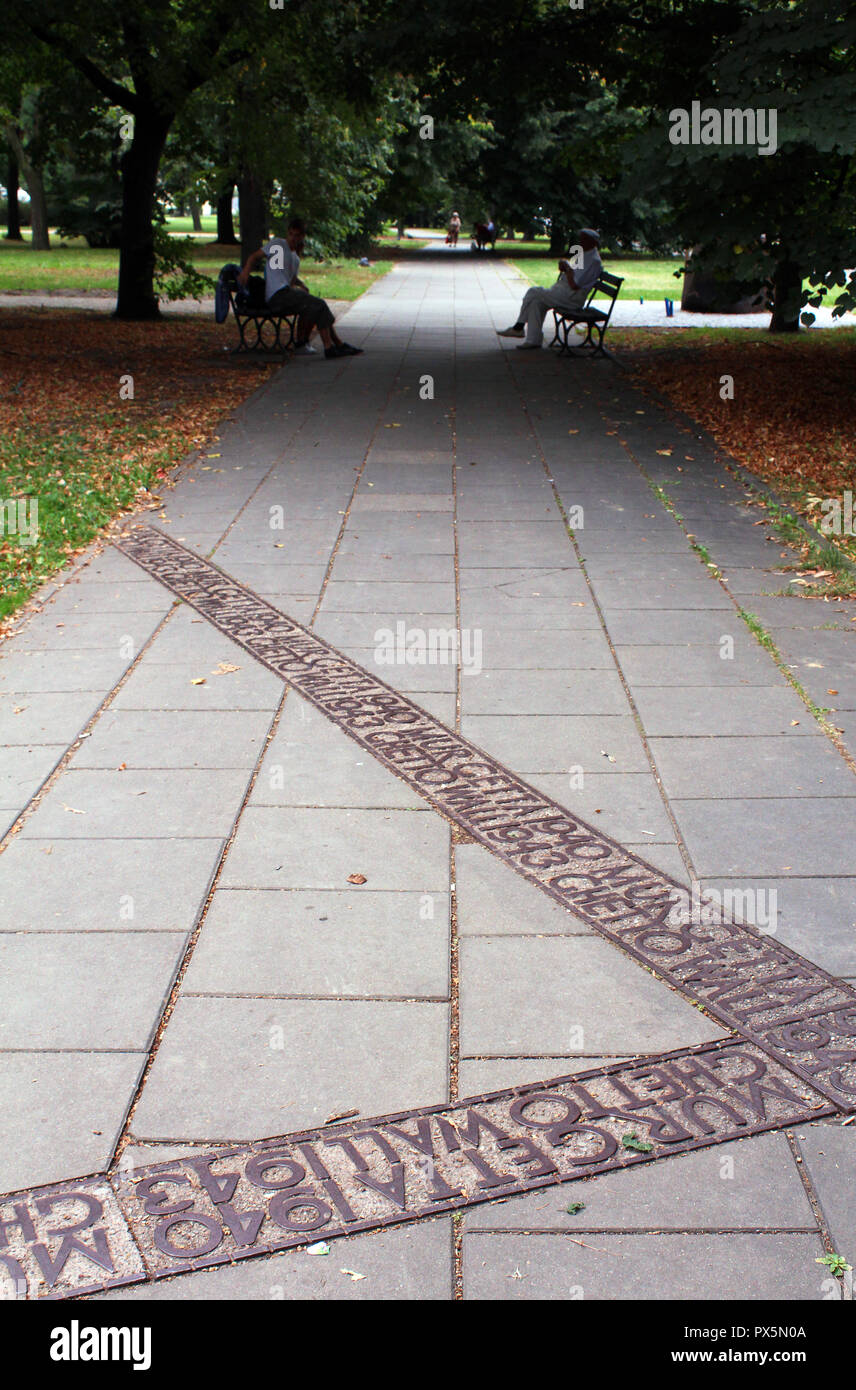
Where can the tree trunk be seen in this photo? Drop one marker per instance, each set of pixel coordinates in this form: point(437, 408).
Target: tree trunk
point(253, 213)
point(40, 239)
point(225, 223)
point(136, 298)
point(13, 214)
point(558, 238)
point(40, 236)
point(787, 287)
point(196, 215)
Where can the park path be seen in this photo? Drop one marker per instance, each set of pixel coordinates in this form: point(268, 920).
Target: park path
point(193, 849)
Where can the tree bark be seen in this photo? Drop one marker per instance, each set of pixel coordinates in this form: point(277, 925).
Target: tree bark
point(13, 212)
point(137, 298)
point(558, 238)
point(32, 176)
point(253, 213)
point(787, 285)
point(225, 222)
point(196, 215)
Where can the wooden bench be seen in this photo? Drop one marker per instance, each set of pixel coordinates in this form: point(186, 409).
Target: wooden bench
point(595, 320)
point(265, 329)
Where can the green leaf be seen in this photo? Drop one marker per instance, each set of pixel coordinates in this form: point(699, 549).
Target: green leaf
point(632, 1141)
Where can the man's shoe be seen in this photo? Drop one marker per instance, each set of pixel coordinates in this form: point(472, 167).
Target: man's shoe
point(348, 351)
point(335, 352)
point(304, 350)
point(528, 347)
point(512, 332)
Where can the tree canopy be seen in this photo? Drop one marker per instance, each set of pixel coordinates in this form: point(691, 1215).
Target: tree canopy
point(541, 113)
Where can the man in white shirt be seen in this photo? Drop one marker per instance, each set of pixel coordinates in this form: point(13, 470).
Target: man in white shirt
point(569, 292)
point(285, 293)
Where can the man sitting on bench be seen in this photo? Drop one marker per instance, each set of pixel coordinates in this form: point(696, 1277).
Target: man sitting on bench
point(569, 292)
point(285, 294)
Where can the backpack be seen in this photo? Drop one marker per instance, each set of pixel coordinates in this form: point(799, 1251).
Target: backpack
point(247, 300)
point(227, 281)
point(252, 298)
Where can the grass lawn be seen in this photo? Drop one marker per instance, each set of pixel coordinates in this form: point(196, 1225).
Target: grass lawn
point(72, 266)
point(69, 442)
point(790, 421)
point(645, 277)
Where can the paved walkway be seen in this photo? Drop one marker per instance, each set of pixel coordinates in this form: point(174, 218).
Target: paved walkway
point(194, 850)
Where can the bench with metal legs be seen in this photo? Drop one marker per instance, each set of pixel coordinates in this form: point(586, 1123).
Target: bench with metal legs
point(596, 320)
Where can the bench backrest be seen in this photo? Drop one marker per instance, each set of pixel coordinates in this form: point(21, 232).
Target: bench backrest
point(606, 287)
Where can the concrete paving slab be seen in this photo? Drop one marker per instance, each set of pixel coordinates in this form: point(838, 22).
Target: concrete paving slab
point(814, 916)
point(311, 762)
point(369, 596)
point(200, 685)
point(175, 738)
point(406, 1263)
point(46, 719)
point(740, 662)
point(61, 1113)
point(671, 627)
point(794, 612)
point(92, 885)
point(245, 1068)
point(398, 567)
point(80, 598)
point(139, 804)
point(493, 900)
point(684, 594)
point(101, 991)
point(754, 1184)
point(627, 806)
point(34, 673)
point(284, 847)
point(556, 648)
point(334, 944)
point(764, 765)
point(566, 994)
point(676, 713)
point(829, 1154)
point(759, 838)
point(476, 1075)
point(697, 1267)
point(538, 692)
point(409, 1262)
point(531, 744)
point(23, 769)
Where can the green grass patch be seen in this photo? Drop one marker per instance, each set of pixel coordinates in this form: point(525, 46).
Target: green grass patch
point(644, 277)
point(79, 486)
point(71, 267)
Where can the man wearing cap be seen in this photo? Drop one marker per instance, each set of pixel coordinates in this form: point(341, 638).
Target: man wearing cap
point(569, 292)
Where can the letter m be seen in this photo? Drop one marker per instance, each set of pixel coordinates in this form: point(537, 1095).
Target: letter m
point(118, 1339)
point(97, 1253)
point(738, 127)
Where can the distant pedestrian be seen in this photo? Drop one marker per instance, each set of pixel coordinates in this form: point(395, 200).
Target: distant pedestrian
point(454, 229)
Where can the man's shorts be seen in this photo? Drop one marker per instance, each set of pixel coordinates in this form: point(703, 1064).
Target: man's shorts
point(316, 312)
